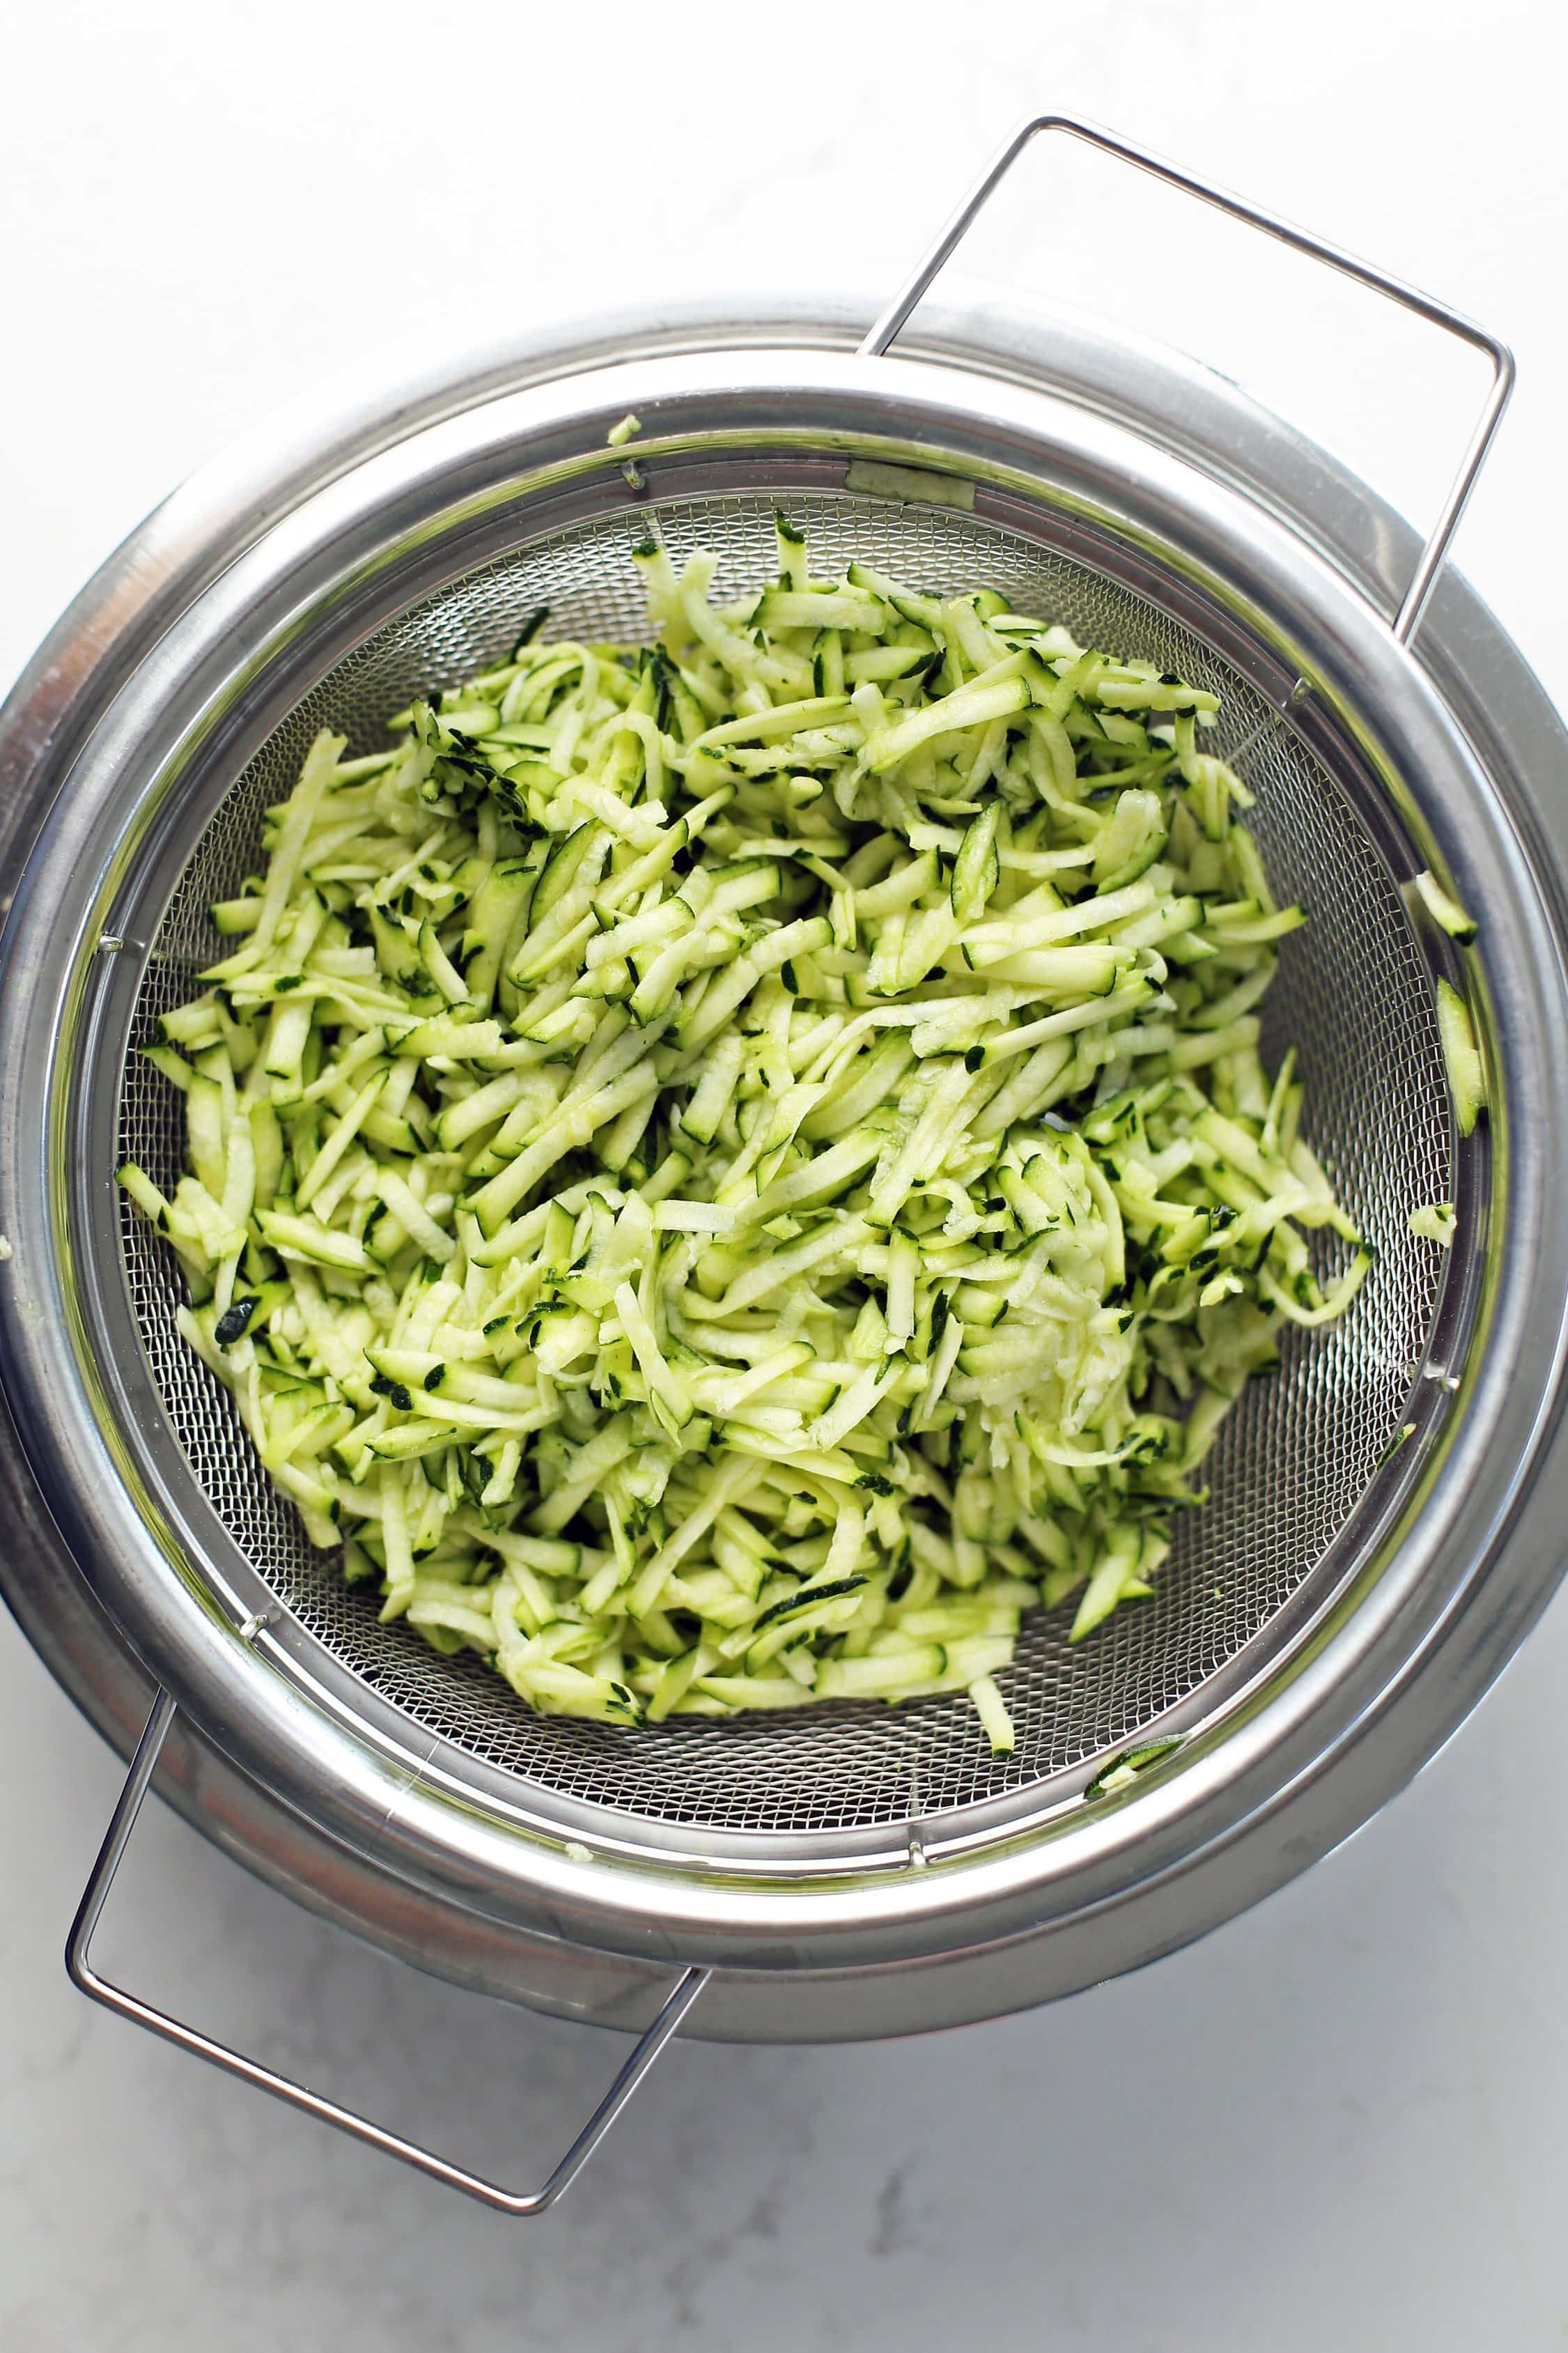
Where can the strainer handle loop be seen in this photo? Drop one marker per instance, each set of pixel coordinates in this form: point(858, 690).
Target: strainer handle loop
point(1438, 314)
point(282, 2087)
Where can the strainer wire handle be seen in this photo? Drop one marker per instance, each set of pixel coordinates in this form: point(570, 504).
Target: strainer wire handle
point(298, 2096)
point(1425, 306)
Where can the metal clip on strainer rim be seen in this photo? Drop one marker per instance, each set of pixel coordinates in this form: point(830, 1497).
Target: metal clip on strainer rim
point(691, 1984)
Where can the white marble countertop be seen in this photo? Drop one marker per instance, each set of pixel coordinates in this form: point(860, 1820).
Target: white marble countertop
point(1341, 2121)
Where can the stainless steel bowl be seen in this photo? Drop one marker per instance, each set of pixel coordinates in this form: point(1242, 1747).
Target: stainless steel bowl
point(859, 1875)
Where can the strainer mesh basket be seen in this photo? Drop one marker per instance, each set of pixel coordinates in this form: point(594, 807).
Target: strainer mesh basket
point(1294, 1459)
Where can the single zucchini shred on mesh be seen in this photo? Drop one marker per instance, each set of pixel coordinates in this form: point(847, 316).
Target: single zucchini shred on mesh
point(1461, 1057)
point(724, 1172)
point(1443, 908)
point(1434, 1222)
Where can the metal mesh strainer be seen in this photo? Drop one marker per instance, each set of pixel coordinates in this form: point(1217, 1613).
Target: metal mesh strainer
point(788, 1858)
point(1354, 994)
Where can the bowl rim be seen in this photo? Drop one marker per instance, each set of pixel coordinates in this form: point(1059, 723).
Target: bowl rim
point(1176, 1819)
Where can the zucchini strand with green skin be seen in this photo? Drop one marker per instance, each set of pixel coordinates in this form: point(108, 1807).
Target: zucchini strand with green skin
point(725, 1172)
point(1444, 909)
point(1434, 1222)
point(1461, 1055)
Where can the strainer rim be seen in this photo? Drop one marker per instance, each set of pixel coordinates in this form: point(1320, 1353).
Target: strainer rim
point(878, 362)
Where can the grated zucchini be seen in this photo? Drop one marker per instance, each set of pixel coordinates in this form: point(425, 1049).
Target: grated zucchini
point(727, 1171)
point(1434, 1222)
point(1444, 909)
point(1466, 1076)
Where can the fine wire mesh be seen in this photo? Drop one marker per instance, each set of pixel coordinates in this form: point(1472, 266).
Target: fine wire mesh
point(1293, 1460)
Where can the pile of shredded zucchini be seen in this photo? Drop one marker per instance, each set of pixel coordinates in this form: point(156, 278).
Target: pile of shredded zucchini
point(725, 1172)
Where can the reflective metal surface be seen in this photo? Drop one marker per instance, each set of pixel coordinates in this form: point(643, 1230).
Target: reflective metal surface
point(1307, 1755)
